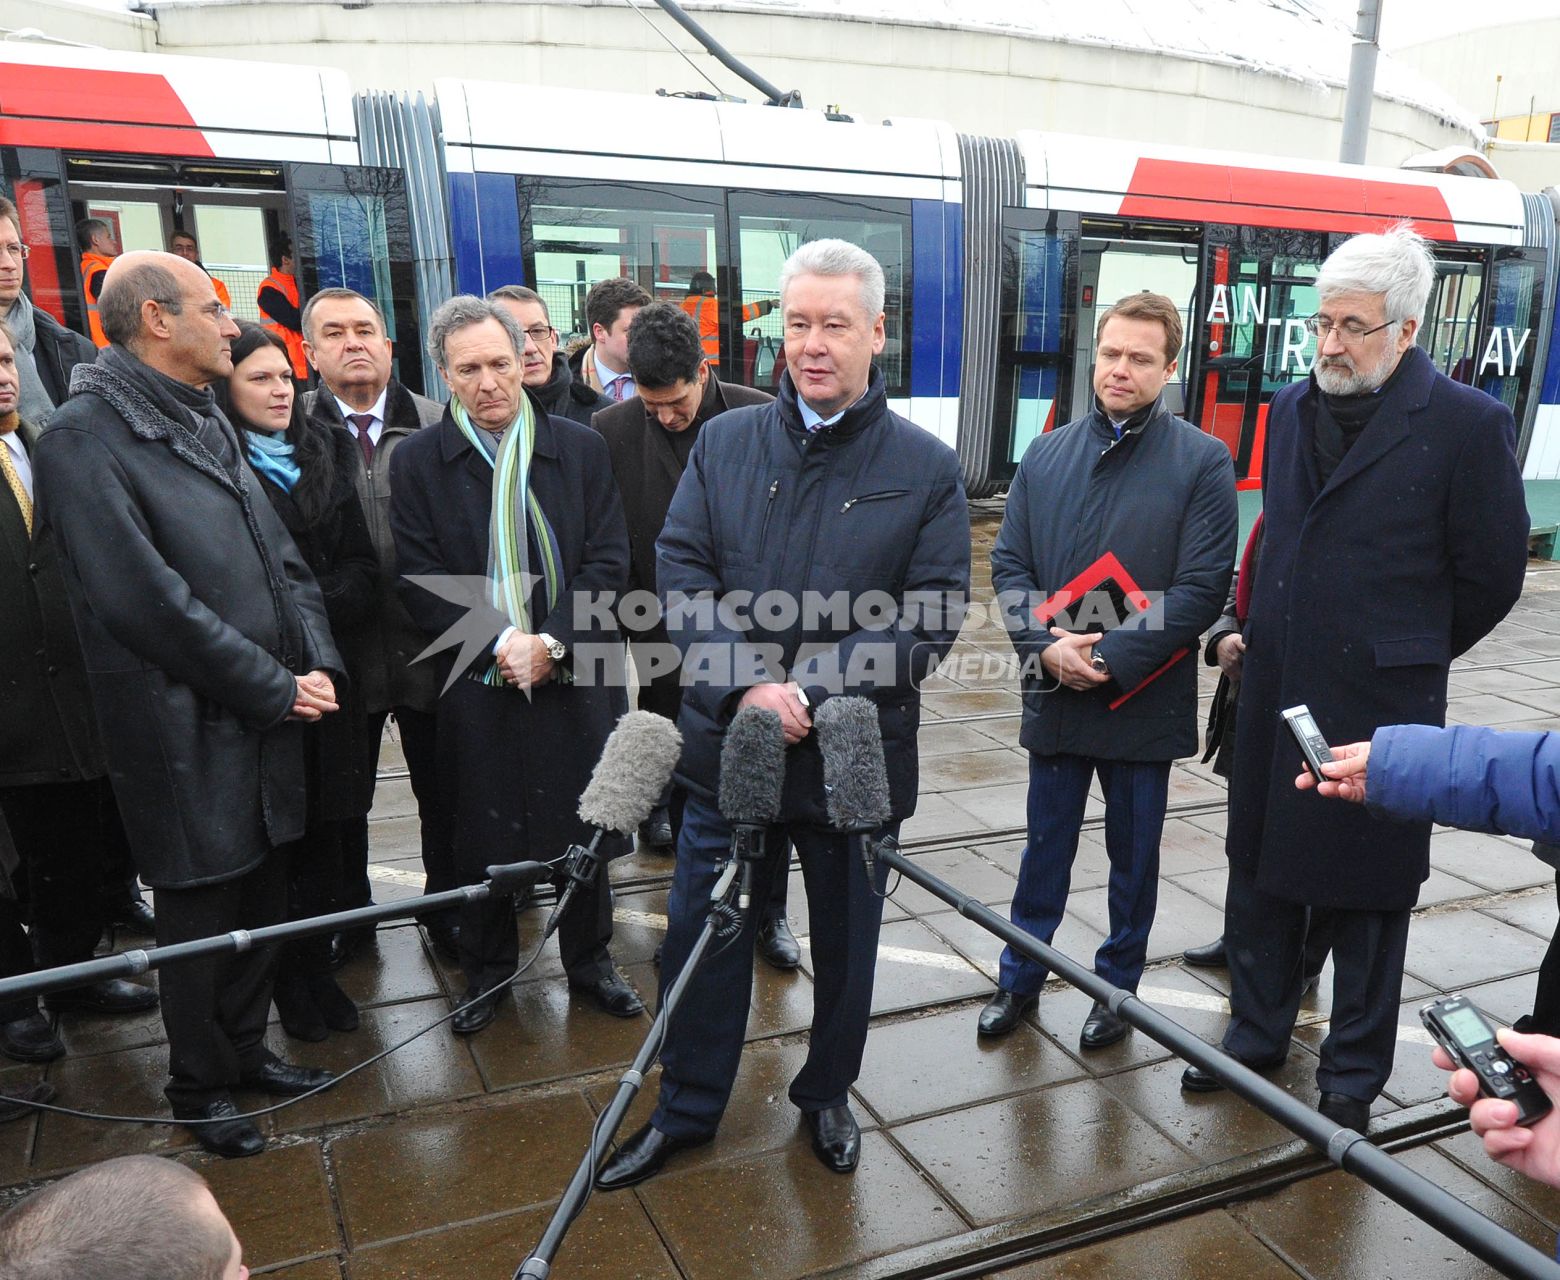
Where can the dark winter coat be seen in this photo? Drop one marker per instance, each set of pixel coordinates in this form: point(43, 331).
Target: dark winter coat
point(385, 674)
point(565, 396)
point(48, 732)
point(196, 613)
point(1473, 778)
point(336, 547)
point(440, 505)
point(56, 353)
point(871, 505)
point(647, 468)
point(1162, 499)
point(1370, 585)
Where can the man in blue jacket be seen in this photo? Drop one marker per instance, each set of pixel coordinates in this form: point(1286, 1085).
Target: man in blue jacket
point(1394, 539)
point(851, 522)
point(1131, 480)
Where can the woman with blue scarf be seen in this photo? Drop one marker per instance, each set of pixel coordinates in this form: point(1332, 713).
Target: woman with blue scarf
point(305, 473)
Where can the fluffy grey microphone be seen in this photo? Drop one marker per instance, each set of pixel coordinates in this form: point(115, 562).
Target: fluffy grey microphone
point(752, 768)
point(855, 778)
point(635, 766)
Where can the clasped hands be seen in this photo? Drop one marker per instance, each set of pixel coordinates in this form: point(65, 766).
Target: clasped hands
point(786, 701)
point(313, 696)
point(523, 660)
point(1068, 659)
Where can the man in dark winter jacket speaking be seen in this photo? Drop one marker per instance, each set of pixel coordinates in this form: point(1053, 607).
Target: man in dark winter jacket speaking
point(1394, 539)
point(847, 529)
point(1120, 527)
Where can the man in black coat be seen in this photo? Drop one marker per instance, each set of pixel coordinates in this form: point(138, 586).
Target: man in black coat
point(547, 374)
point(1394, 539)
point(1112, 691)
point(529, 701)
point(825, 495)
point(54, 791)
point(651, 436)
point(345, 342)
point(206, 644)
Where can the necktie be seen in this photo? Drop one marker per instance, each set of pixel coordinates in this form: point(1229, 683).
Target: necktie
point(361, 422)
point(13, 477)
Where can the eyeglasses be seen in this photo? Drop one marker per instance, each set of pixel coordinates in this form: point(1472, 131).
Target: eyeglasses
point(15, 251)
point(539, 333)
point(1348, 331)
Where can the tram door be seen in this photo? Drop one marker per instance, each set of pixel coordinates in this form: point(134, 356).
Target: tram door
point(1256, 291)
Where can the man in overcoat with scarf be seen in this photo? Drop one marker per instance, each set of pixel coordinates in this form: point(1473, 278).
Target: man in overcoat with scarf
point(510, 540)
point(206, 644)
point(1394, 539)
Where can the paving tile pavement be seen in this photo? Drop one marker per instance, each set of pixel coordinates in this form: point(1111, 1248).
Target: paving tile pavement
point(447, 1160)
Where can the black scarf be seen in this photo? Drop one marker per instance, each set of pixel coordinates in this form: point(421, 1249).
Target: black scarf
point(194, 408)
point(1340, 420)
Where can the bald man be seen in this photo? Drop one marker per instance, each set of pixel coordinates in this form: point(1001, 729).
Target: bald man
point(207, 649)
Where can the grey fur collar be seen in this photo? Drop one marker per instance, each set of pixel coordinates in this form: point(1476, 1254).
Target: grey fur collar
point(147, 422)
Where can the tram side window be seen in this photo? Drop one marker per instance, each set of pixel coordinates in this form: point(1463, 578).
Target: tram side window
point(767, 238)
point(1451, 323)
point(44, 210)
point(574, 241)
point(1506, 354)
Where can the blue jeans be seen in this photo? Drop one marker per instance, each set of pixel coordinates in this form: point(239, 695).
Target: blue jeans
point(704, 1042)
point(1136, 793)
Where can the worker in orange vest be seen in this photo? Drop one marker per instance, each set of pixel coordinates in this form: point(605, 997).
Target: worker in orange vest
point(98, 251)
point(183, 244)
point(278, 303)
point(702, 304)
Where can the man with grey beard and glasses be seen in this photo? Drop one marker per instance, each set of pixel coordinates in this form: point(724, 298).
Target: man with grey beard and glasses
point(1394, 539)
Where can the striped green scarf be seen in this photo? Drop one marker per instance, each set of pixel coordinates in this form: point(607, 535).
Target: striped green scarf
point(514, 507)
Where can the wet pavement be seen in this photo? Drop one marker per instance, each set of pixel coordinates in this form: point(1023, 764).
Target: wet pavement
point(445, 1161)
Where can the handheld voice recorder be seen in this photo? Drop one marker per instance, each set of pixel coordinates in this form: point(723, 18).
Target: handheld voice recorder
point(1469, 1040)
point(1312, 745)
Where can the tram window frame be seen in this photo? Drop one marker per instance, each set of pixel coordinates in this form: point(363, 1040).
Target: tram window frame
point(35, 180)
point(751, 204)
point(606, 199)
point(1015, 362)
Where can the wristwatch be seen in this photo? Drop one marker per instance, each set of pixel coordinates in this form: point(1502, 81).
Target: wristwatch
point(1099, 664)
point(555, 647)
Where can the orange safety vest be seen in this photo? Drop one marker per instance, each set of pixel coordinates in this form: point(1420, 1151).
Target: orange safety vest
point(90, 264)
point(287, 286)
point(222, 294)
point(706, 311)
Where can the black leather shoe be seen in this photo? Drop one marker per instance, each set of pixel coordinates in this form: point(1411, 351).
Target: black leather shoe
point(1209, 956)
point(14, 1102)
point(641, 1158)
point(222, 1135)
point(135, 916)
point(836, 1137)
point(471, 1020)
point(655, 832)
point(31, 1039)
point(1196, 1080)
point(1101, 1028)
point(1344, 1111)
point(612, 994)
point(1003, 1011)
point(778, 945)
point(285, 1079)
point(112, 995)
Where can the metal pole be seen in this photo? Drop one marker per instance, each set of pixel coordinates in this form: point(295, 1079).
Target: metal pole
point(729, 60)
point(539, 1265)
point(1362, 83)
point(1347, 1149)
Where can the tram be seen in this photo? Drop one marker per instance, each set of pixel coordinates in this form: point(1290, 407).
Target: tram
point(998, 252)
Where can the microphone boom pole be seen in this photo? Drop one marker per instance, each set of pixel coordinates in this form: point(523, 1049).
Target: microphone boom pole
point(1349, 1150)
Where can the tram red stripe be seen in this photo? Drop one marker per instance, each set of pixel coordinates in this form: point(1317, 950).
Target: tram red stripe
point(1272, 198)
point(129, 139)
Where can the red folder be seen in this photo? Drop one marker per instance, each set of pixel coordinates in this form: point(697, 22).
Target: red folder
point(1106, 569)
